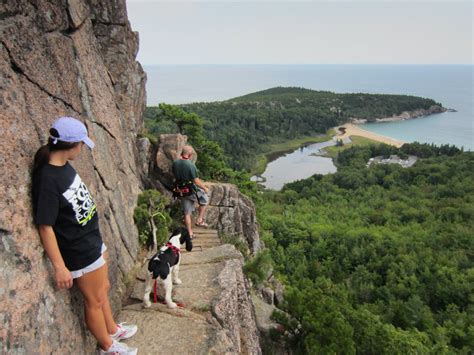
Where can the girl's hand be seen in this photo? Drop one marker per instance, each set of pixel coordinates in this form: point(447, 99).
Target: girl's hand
point(63, 277)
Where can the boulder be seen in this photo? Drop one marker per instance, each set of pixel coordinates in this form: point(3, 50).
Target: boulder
point(268, 295)
point(169, 149)
point(232, 213)
point(263, 314)
point(234, 310)
point(279, 292)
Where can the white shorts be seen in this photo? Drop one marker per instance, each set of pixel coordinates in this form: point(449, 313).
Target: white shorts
point(91, 267)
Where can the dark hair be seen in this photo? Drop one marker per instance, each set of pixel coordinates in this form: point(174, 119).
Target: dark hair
point(42, 155)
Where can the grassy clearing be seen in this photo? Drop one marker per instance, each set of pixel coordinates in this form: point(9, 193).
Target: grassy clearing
point(273, 151)
point(331, 152)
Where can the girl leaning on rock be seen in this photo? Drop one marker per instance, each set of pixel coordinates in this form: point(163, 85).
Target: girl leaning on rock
point(67, 220)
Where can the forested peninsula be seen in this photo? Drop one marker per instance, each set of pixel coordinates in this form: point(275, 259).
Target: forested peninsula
point(245, 126)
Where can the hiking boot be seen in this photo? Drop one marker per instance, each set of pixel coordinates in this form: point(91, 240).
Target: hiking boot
point(124, 331)
point(119, 349)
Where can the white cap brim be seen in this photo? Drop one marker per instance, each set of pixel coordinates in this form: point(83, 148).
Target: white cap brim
point(88, 142)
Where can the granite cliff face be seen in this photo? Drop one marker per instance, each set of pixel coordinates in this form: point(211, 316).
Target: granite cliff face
point(232, 213)
point(76, 58)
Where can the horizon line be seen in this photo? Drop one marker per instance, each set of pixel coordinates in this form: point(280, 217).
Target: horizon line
point(281, 64)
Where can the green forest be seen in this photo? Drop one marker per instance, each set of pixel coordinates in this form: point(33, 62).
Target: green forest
point(244, 126)
point(375, 260)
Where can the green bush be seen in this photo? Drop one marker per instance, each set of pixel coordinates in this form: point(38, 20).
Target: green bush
point(151, 206)
point(237, 242)
point(259, 268)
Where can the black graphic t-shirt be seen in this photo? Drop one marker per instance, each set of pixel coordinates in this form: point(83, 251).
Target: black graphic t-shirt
point(62, 200)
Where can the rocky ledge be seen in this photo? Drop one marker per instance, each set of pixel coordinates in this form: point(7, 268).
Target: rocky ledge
point(218, 317)
point(406, 115)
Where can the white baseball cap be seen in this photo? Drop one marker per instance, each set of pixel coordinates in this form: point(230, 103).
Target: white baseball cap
point(71, 130)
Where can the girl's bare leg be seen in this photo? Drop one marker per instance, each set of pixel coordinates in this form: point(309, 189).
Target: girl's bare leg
point(94, 287)
point(108, 315)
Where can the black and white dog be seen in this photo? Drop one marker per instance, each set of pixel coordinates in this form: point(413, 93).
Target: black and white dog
point(164, 266)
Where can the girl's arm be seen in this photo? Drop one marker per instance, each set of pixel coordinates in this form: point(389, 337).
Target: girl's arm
point(61, 273)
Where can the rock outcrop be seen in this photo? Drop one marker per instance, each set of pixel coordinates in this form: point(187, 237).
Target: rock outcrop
point(169, 149)
point(405, 115)
point(75, 58)
point(232, 213)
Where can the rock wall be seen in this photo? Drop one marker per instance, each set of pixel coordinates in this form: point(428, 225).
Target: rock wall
point(232, 213)
point(76, 58)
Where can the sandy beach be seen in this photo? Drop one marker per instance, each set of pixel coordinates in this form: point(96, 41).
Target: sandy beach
point(353, 130)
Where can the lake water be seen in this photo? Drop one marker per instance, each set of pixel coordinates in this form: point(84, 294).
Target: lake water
point(297, 165)
point(451, 85)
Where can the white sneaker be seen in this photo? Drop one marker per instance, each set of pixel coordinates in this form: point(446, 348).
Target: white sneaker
point(124, 331)
point(119, 349)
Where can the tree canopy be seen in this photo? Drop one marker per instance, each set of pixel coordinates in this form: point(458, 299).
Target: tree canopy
point(377, 260)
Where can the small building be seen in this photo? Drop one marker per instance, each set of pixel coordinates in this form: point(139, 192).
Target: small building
point(393, 159)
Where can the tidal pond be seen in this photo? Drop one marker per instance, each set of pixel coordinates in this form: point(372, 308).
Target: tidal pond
point(299, 164)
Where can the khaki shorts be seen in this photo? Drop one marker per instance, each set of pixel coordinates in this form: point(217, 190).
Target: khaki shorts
point(187, 202)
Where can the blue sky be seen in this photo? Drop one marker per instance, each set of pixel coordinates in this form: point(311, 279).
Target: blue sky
point(303, 32)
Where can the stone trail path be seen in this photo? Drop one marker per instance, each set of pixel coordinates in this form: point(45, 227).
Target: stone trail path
point(205, 238)
point(194, 329)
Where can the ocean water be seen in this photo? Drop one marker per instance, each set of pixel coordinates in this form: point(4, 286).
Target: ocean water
point(451, 85)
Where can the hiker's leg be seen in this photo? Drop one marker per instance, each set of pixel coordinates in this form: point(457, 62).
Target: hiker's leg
point(202, 211)
point(108, 315)
point(203, 199)
point(93, 286)
point(188, 223)
point(187, 205)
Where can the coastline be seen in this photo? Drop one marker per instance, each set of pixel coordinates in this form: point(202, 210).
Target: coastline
point(351, 129)
point(406, 115)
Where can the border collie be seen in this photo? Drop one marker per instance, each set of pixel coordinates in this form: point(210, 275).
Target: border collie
point(164, 266)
